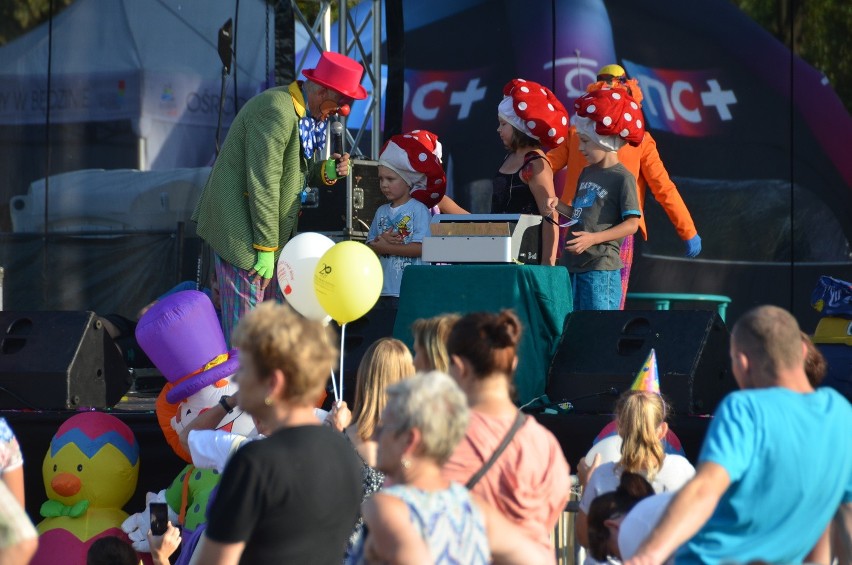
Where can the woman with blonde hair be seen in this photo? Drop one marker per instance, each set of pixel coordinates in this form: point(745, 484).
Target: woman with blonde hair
point(511, 461)
point(641, 422)
point(292, 497)
point(430, 342)
point(422, 517)
point(385, 362)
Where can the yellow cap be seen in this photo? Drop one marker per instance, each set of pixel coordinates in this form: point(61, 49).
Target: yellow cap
point(612, 70)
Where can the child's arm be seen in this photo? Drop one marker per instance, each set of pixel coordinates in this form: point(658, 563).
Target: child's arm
point(584, 239)
point(391, 242)
point(382, 247)
point(554, 205)
point(449, 206)
point(537, 174)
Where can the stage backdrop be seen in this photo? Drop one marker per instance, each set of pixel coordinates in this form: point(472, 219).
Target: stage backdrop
point(753, 136)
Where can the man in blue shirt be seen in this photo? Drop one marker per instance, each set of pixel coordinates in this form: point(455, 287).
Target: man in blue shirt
point(775, 465)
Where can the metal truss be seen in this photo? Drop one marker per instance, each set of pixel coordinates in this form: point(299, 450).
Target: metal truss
point(359, 18)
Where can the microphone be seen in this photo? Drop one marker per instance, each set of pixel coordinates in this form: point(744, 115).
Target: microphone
point(337, 137)
point(224, 46)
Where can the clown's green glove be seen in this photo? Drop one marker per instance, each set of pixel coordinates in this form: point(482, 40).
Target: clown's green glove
point(265, 266)
point(329, 172)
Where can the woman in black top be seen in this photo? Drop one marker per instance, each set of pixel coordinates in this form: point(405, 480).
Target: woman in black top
point(292, 497)
point(529, 116)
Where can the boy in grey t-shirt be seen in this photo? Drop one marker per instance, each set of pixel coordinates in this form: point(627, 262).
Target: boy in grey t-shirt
point(606, 207)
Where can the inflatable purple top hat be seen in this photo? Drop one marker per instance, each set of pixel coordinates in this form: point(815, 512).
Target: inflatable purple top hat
point(182, 337)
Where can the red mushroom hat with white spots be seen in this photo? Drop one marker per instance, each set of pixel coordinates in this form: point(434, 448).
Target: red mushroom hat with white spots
point(534, 110)
point(614, 112)
point(416, 157)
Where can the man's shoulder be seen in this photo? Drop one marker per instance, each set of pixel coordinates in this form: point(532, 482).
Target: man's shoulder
point(272, 100)
point(834, 402)
point(823, 399)
point(271, 95)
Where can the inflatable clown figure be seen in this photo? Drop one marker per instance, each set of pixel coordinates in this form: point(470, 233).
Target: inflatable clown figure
point(182, 337)
point(90, 472)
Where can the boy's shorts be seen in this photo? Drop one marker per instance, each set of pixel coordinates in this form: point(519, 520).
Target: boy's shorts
point(596, 290)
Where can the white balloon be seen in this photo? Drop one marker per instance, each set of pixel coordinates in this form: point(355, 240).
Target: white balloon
point(609, 448)
point(296, 266)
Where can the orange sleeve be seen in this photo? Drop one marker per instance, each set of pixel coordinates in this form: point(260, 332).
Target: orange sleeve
point(558, 156)
point(568, 155)
point(653, 174)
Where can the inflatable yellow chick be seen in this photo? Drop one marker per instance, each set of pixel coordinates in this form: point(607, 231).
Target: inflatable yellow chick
point(90, 472)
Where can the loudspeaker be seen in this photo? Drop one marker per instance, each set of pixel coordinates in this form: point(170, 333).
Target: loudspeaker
point(601, 352)
point(347, 207)
point(59, 360)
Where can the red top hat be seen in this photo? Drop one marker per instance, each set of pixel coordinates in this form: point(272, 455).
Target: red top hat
point(340, 73)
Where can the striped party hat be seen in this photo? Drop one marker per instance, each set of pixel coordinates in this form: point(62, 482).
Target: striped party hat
point(648, 378)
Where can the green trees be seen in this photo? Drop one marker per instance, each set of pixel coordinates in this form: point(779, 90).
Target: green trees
point(19, 16)
point(815, 30)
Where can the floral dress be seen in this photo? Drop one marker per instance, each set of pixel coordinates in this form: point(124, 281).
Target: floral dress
point(448, 520)
point(372, 480)
point(10, 451)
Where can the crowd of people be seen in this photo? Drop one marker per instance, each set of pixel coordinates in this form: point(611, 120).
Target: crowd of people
point(433, 466)
point(435, 463)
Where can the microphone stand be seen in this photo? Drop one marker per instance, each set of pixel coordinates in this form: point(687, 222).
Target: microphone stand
point(225, 56)
point(565, 404)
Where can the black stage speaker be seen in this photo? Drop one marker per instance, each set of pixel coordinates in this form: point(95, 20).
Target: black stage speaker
point(601, 352)
point(58, 361)
point(347, 207)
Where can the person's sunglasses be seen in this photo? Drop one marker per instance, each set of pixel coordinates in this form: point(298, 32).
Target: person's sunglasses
point(610, 78)
point(561, 225)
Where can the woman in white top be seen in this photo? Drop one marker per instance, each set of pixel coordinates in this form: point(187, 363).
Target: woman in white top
point(641, 421)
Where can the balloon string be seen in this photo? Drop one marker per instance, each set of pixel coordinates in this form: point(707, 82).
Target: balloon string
point(334, 386)
point(342, 335)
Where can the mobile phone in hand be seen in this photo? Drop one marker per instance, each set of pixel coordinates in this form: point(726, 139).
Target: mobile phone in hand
point(159, 518)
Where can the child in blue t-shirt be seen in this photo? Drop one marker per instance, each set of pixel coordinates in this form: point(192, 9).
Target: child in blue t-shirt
point(606, 207)
point(409, 172)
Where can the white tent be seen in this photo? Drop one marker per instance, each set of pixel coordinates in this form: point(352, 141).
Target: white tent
point(153, 62)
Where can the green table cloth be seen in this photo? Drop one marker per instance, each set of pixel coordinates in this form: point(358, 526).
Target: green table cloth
point(540, 296)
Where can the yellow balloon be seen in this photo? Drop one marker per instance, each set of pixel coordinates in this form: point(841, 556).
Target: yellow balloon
point(348, 281)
